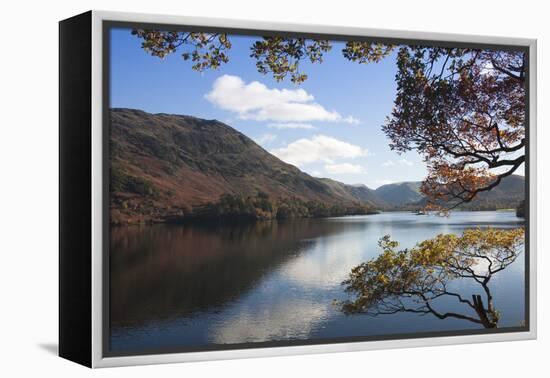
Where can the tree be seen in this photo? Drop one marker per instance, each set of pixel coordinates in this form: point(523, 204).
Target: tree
point(462, 109)
point(413, 280)
point(205, 50)
point(280, 56)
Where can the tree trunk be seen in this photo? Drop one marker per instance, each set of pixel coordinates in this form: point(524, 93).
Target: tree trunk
point(482, 313)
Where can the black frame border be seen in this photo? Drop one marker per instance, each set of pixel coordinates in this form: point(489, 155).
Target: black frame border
point(75, 189)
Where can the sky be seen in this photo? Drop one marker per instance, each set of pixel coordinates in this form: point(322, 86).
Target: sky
point(328, 126)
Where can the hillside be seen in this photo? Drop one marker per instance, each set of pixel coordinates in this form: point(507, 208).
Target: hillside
point(399, 193)
point(164, 166)
point(506, 195)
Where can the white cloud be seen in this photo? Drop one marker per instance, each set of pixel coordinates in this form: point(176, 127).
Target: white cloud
point(343, 168)
point(258, 102)
point(391, 163)
point(352, 120)
point(319, 148)
point(266, 138)
point(291, 125)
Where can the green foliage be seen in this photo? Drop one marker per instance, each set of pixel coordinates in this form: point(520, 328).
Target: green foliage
point(281, 56)
point(122, 182)
point(410, 280)
point(262, 207)
point(366, 52)
point(205, 50)
point(237, 206)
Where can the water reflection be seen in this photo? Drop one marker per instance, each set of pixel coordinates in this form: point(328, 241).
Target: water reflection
point(167, 271)
point(289, 319)
point(190, 286)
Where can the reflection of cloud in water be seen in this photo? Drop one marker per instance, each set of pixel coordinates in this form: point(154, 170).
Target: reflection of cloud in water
point(298, 309)
point(296, 299)
point(293, 319)
point(326, 264)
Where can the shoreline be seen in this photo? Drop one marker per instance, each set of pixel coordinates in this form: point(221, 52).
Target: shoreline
point(247, 221)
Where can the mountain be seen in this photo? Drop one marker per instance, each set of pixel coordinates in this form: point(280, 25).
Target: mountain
point(164, 166)
point(407, 195)
point(399, 193)
point(508, 194)
point(358, 192)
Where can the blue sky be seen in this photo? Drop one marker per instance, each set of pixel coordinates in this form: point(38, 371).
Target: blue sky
point(329, 126)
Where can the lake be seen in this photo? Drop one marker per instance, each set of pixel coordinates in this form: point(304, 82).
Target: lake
point(192, 287)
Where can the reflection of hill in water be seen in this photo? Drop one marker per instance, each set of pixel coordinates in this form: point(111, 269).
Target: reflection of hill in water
point(161, 272)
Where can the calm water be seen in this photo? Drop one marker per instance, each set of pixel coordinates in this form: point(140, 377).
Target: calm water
point(188, 286)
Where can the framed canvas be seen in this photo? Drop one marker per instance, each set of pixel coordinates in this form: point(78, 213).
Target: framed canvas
point(235, 189)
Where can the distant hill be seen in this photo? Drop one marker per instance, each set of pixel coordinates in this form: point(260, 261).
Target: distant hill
point(407, 195)
point(506, 195)
point(358, 192)
point(399, 193)
point(164, 165)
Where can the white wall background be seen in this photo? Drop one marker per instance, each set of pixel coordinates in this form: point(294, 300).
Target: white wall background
point(28, 186)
